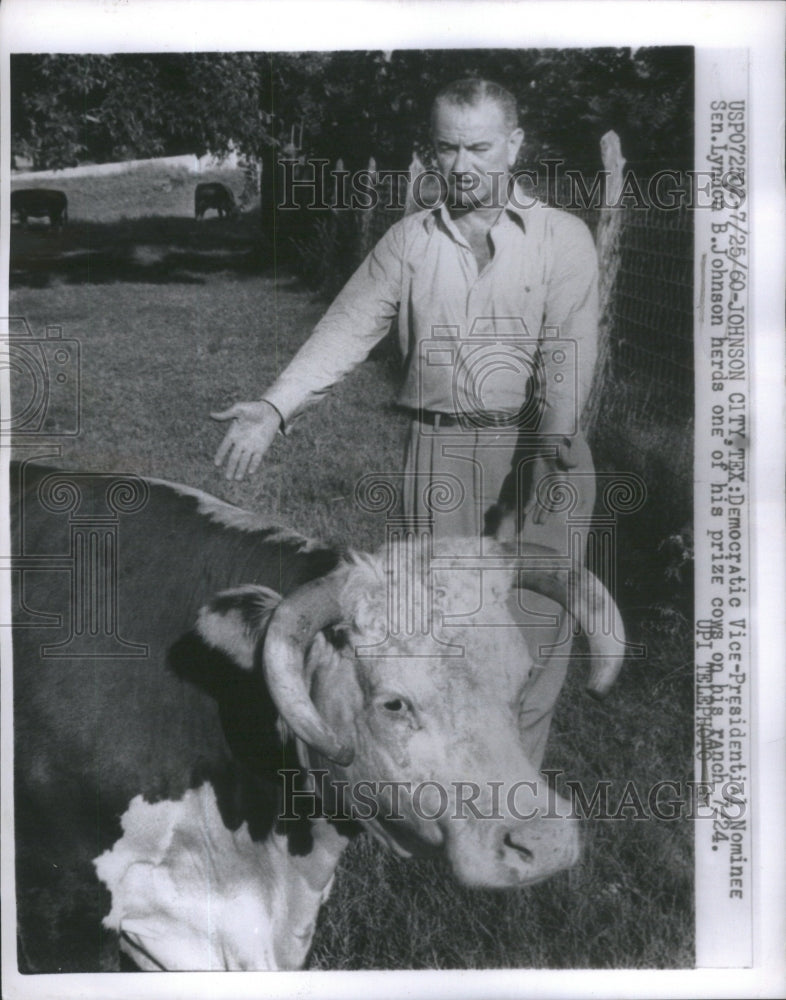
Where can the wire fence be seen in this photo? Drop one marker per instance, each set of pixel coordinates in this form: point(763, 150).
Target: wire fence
point(649, 315)
point(652, 307)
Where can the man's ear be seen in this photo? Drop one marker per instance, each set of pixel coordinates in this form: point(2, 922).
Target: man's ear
point(515, 139)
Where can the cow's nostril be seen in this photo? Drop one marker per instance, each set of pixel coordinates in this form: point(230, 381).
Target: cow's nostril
point(525, 852)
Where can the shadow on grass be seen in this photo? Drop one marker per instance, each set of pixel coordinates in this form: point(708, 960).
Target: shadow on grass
point(152, 250)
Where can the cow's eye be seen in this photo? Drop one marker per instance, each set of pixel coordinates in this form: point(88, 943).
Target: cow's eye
point(395, 710)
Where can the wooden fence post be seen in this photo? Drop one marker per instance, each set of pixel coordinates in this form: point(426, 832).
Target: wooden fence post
point(415, 168)
point(608, 243)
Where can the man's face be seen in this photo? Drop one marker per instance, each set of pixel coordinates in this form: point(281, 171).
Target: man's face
point(475, 151)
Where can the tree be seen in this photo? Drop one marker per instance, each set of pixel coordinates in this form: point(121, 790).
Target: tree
point(67, 109)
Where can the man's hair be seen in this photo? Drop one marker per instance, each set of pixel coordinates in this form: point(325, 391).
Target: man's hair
point(471, 92)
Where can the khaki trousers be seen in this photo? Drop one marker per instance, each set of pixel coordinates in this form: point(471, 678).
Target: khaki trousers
point(483, 482)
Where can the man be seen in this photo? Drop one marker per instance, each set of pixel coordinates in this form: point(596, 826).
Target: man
point(496, 300)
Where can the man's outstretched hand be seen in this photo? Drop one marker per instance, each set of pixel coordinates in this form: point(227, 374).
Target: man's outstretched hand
point(253, 427)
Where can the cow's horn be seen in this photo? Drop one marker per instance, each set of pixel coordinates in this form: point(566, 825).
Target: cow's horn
point(582, 594)
point(294, 624)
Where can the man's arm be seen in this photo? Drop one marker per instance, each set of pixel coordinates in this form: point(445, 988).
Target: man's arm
point(568, 350)
point(571, 318)
point(357, 320)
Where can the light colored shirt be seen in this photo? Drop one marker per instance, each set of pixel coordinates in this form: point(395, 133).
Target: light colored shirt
point(522, 330)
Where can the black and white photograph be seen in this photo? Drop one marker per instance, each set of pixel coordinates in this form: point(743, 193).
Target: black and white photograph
point(392, 499)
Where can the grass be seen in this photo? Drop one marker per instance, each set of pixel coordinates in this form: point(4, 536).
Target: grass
point(149, 189)
point(158, 355)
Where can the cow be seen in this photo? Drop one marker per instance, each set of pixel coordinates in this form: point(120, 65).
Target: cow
point(39, 202)
point(207, 709)
point(214, 195)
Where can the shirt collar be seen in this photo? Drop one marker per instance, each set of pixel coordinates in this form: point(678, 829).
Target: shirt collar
point(516, 207)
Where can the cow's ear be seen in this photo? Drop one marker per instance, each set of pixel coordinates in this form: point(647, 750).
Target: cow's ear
point(236, 620)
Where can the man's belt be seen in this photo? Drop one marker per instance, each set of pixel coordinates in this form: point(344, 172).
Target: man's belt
point(436, 419)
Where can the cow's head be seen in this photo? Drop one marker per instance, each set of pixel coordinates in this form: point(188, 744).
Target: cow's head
point(406, 679)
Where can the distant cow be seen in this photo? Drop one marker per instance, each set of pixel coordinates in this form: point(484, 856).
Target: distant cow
point(40, 202)
point(215, 195)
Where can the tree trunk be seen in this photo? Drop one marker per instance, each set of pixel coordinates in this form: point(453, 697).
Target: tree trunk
point(608, 243)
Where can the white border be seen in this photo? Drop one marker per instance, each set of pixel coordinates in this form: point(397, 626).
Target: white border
point(183, 25)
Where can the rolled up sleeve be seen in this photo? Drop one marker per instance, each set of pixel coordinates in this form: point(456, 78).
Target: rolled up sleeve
point(359, 318)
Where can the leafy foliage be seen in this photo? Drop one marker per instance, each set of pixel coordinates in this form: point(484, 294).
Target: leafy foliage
point(70, 108)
